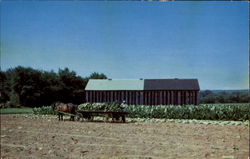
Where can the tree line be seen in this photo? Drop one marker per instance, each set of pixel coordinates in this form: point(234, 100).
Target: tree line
point(25, 86)
point(208, 96)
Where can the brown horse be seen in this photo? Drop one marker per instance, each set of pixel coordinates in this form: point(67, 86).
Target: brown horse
point(66, 108)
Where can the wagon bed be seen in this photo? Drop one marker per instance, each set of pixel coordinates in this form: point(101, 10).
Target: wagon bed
point(89, 115)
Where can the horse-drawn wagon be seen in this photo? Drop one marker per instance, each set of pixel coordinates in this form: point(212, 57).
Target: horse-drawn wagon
point(83, 115)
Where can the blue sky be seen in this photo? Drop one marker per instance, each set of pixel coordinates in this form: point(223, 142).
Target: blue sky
point(130, 40)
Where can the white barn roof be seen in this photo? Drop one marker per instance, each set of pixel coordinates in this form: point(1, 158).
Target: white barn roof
point(115, 84)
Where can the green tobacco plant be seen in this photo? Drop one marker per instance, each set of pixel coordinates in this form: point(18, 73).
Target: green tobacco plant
point(45, 110)
point(99, 106)
point(200, 112)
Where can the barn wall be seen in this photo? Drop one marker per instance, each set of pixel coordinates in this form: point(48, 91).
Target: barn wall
point(145, 97)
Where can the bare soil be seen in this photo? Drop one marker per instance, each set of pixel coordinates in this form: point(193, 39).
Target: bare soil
point(50, 138)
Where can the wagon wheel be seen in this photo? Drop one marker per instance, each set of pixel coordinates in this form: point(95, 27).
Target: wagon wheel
point(120, 119)
point(123, 119)
point(107, 118)
point(112, 117)
point(79, 116)
point(117, 118)
point(90, 118)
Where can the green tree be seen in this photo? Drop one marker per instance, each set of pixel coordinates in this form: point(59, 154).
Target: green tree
point(244, 97)
point(50, 86)
point(3, 87)
point(30, 87)
point(26, 85)
point(209, 99)
point(96, 75)
point(205, 93)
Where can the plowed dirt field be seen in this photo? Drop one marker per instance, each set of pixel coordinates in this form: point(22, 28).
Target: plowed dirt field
point(48, 138)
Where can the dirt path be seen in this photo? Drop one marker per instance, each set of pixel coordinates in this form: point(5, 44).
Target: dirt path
point(49, 138)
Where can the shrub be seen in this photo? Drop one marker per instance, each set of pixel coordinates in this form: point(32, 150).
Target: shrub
point(45, 110)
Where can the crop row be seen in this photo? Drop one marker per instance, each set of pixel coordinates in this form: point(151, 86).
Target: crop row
point(202, 112)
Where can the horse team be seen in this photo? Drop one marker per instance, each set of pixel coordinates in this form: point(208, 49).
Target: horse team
point(71, 109)
point(66, 108)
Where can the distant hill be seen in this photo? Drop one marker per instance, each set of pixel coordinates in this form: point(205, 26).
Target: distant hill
point(229, 91)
